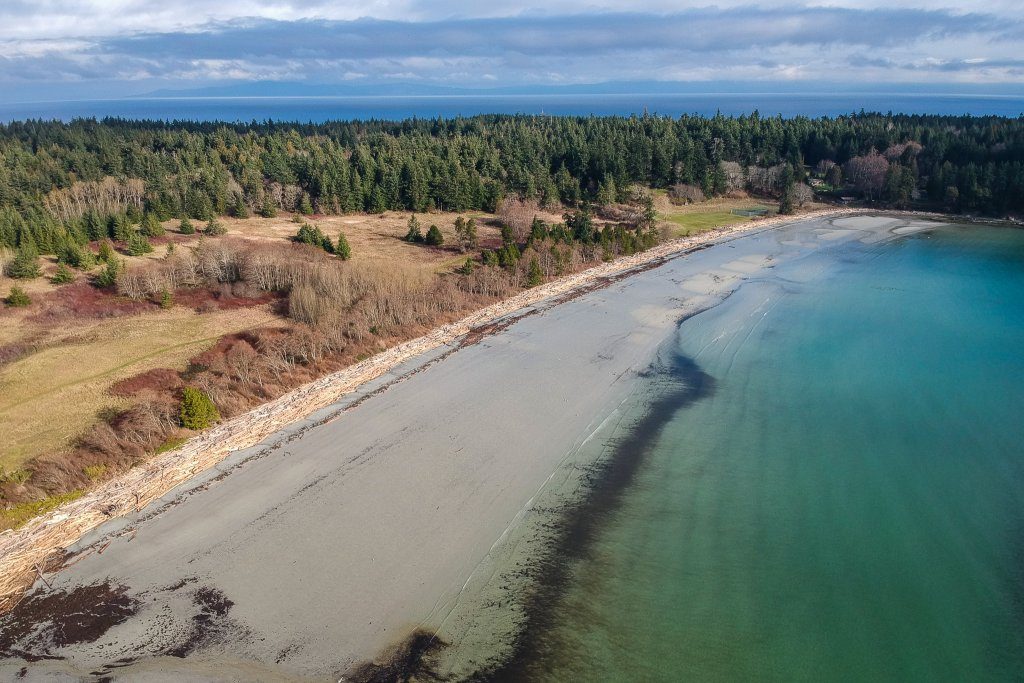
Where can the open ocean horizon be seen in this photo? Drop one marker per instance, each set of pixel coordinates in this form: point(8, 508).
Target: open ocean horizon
point(319, 109)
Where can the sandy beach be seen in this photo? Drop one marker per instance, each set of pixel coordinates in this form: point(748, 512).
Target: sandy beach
point(321, 552)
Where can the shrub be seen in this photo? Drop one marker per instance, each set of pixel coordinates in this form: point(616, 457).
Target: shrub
point(434, 237)
point(18, 476)
point(17, 515)
point(186, 227)
point(166, 300)
point(467, 267)
point(343, 251)
point(94, 472)
point(25, 264)
point(170, 444)
point(197, 410)
point(17, 297)
point(63, 275)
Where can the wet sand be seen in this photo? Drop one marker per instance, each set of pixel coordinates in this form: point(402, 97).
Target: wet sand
point(334, 543)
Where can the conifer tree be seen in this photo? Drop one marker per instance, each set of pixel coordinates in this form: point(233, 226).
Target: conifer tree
point(538, 230)
point(197, 410)
point(534, 276)
point(414, 235)
point(343, 250)
point(214, 228)
point(465, 233)
point(186, 227)
point(434, 237)
point(151, 226)
point(138, 245)
point(108, 276)
point(63, 275)
point(106, 252)
point(120, 228)
point(17, 297)
point(268, 209)
point(239, 208)
point(25, 264)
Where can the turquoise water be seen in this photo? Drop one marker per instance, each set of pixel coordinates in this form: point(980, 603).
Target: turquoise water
point(846, 504)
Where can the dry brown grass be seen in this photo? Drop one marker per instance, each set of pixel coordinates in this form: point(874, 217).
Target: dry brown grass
point(372, 237)
point(53, 394)
point(378, 237)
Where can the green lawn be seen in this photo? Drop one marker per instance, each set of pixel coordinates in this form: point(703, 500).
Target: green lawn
point(692, 223)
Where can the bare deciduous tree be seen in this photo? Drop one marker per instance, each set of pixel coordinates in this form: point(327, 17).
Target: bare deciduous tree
point(518, 215)
point(681, 192)
point(802, 193)
point(735, 175)
point(107, 196)
point(867, 173)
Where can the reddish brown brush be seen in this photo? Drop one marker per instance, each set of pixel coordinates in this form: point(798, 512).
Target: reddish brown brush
point(81, 300)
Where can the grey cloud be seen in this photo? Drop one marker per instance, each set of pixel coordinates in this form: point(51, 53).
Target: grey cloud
point(736, 43)
point(703, 30)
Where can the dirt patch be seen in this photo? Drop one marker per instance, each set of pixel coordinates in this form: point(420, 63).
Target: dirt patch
point(44, 622)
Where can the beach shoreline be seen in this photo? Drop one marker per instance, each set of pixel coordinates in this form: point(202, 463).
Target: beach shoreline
point(26, 552)
point(387, 482)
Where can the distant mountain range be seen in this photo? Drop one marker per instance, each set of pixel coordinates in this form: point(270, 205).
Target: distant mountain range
point(299, 89)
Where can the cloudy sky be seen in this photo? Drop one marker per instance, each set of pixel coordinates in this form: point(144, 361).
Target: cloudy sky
point(108, 48)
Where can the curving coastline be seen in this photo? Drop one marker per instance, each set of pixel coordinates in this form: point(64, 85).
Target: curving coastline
point(319, 551)
point(25, 553)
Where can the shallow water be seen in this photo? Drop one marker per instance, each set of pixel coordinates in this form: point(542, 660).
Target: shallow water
point(845, 505)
